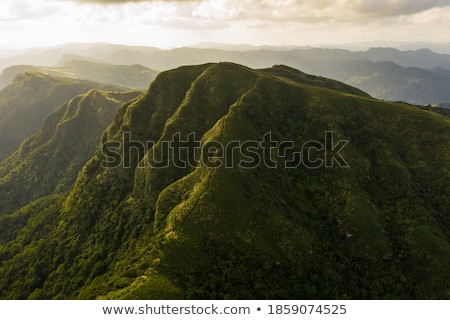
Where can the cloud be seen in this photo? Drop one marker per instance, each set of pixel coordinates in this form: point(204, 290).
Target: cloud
point(107, 2)
point(27, 9)
point(217, 14)
point(260, 13)
point(289, 9)
point(269, 12)
point(384, 8)
point(252, 21)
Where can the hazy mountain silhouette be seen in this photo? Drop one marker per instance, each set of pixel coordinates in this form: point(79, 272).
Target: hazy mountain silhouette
point(130, 76)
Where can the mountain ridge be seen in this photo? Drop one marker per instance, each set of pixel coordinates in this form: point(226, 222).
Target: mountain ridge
point(377, 229)
point(32, 96)
point(325, 62)
point(50, 160)
point(132, 76)
point(389, 81)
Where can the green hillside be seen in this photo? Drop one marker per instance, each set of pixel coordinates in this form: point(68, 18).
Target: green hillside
point(49, 161)
point(368, 222)
point(129, 76)
point(32, 96)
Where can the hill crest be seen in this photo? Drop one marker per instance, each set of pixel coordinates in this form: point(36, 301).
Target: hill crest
point(377, 229)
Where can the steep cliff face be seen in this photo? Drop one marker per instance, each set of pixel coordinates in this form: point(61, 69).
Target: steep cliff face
point(227, 182)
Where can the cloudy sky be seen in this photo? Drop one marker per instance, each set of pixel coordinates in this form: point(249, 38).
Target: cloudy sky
point(29, 23)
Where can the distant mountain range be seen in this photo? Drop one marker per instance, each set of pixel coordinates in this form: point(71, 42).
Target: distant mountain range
point(414, 76)
point(388, 81)
point(51, 56)
point(443, 105)
point(277, 185)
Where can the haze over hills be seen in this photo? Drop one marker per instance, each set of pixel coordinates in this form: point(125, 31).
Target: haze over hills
point(31, 97)
point(50, 57)
point(253, 221)
point(392, 82)
point(406, 56)
point(425, 84)
point(312, 57)
point(443, 48)
point(443, 105)
point(129, 76)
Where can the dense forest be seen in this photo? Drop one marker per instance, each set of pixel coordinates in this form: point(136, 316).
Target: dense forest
point(369, 222)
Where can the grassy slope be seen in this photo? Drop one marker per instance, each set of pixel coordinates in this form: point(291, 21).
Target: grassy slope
point(378, 229)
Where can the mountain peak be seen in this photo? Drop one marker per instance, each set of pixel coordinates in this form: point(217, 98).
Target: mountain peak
point(225, 182)
point(283, 72)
